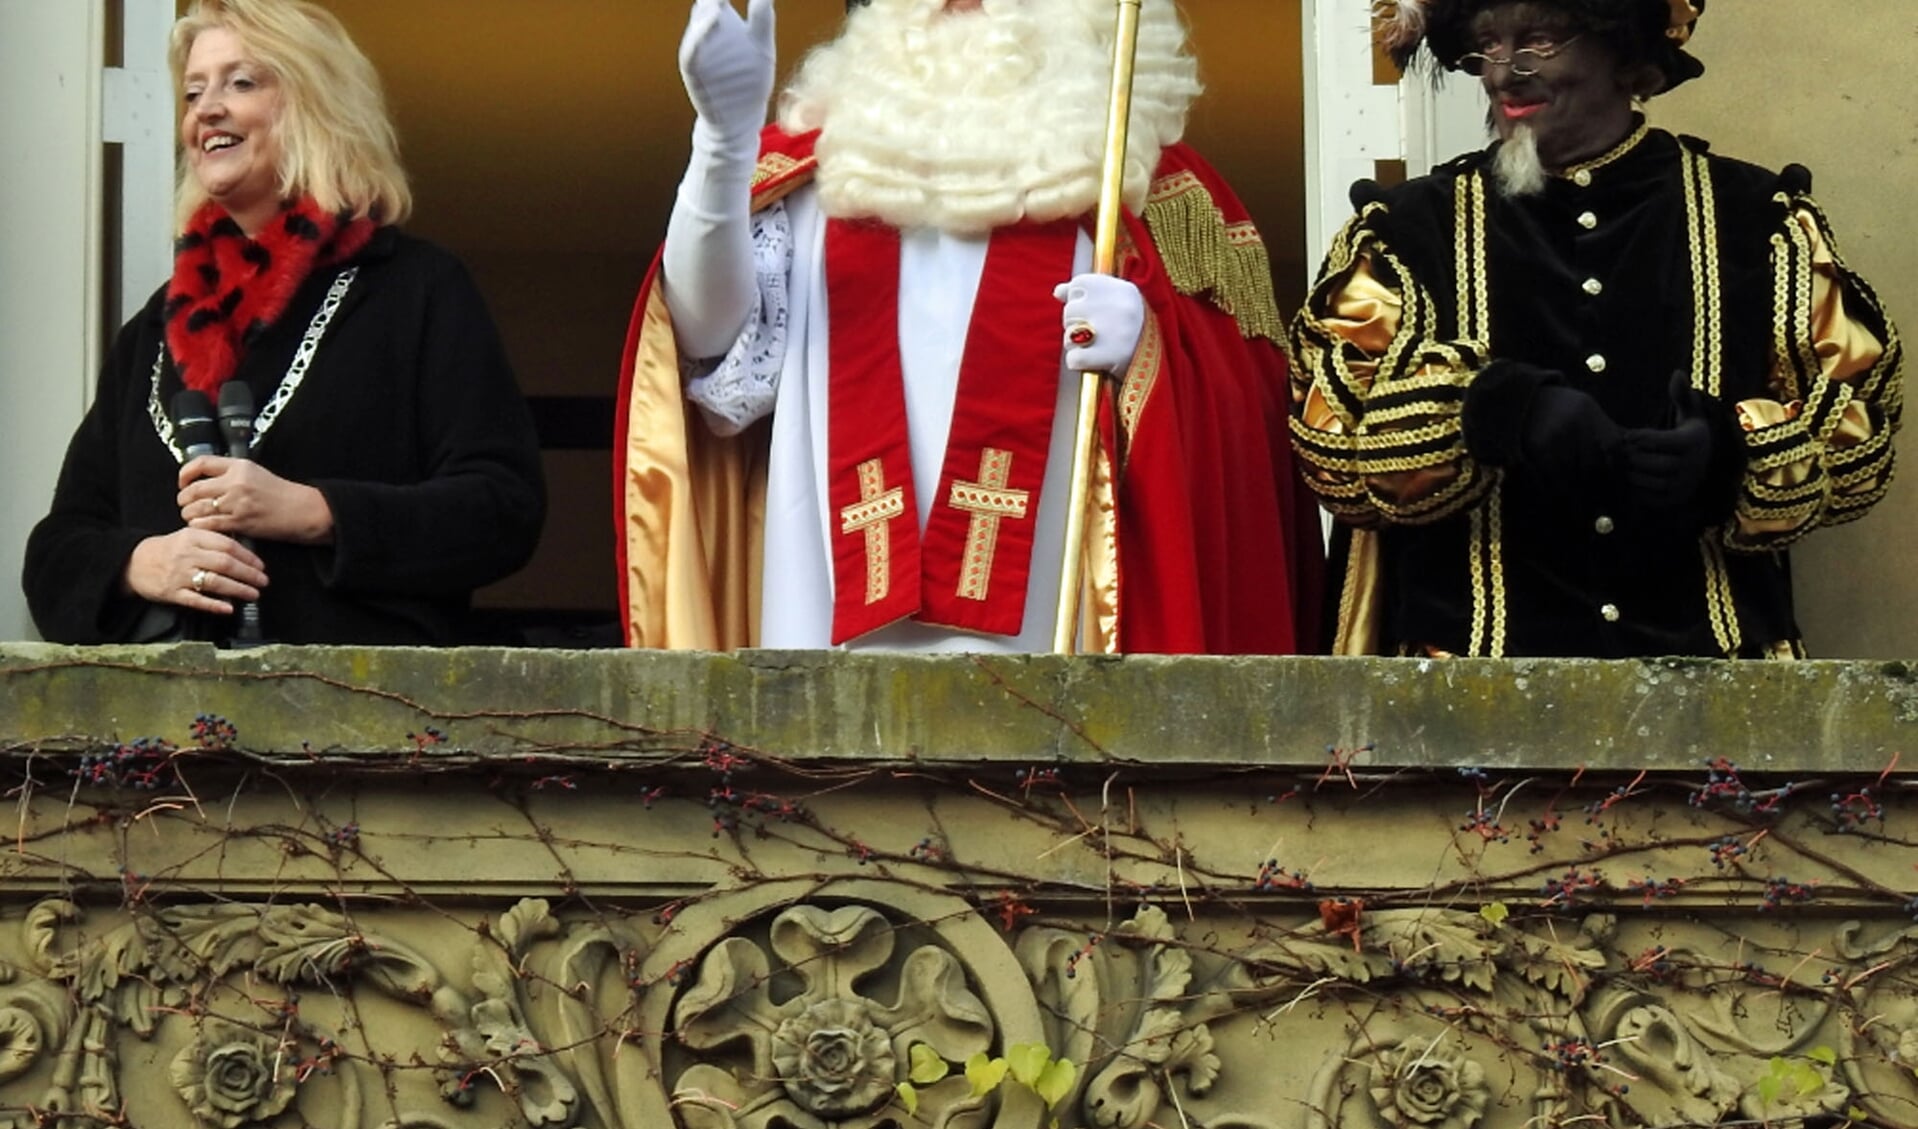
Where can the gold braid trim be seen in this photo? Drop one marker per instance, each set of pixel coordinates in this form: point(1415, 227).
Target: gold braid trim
point(1486, 558)
point(1701, 224)
point(1830, 485)
point(1205, 255)
point(1794, 354)
point(1719, 599)
point(1444, 502)
point(1148, 362)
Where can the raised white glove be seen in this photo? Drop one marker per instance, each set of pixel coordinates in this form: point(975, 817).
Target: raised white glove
point(1104, 319)
point(727, 63)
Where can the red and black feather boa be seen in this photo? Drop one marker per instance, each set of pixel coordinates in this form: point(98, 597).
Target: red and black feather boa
point(227, 288)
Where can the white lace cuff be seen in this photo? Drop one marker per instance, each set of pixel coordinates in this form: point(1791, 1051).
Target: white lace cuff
point(737, 390)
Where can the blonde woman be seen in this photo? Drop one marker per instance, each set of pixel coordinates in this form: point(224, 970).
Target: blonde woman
point(393, 467)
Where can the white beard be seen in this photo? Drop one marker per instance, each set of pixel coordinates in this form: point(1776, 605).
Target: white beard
point(1516, 169)
point(974, 120)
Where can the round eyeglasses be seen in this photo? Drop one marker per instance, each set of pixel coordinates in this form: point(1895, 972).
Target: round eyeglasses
point(1524, 61)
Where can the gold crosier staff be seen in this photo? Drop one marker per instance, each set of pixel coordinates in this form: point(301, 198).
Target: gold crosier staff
point(1105, 248)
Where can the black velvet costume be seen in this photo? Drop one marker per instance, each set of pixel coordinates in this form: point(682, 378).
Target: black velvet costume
point(408, 421)
point(1660, 280)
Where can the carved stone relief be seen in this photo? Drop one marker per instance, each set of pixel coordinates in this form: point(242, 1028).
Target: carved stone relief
point(805, 1005)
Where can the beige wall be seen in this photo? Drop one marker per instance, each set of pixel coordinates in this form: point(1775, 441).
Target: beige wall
point(1792, 83)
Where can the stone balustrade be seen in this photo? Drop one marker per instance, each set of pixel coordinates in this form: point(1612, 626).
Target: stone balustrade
point(415, 889)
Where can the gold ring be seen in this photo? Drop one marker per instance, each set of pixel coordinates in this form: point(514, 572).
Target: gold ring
point(199, 579)
point(1080, 334)
point(216, 502)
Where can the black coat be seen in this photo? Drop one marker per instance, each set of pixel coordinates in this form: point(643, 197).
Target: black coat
point(1608, 282)
point(408, 421)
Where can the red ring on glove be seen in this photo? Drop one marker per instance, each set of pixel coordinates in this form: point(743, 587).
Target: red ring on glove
point(1080, 335)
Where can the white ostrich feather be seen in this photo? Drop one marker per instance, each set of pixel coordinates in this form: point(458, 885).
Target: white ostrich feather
point(1399, 24)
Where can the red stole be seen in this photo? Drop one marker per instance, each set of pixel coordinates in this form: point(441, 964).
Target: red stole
point(971, 567)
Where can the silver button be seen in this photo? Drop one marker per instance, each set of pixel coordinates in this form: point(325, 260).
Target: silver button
point(1587, 220)
point(1609, 612)
point(1594, 287)
point(1595, 362)
point(1604, 525)
point(1582, 178)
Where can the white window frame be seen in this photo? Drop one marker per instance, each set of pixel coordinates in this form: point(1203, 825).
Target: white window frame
point(1351, 123)
point(60, 104)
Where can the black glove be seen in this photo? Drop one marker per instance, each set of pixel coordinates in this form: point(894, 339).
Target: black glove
point(1666, 466)
point(1570, 444)
point(1693, 464)
point(1522, 416)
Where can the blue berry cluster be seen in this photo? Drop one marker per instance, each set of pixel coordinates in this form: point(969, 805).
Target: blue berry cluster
point(140, 765)
point(1272, 877)
point(1652, 889)
point(1853, 811)
point(1486, 826)
point(1539, 828)
point(1569, 887)
point(211, 731)
point(729, 804)
point(1783, 891)
point(1722, 783)
point(1727, 849)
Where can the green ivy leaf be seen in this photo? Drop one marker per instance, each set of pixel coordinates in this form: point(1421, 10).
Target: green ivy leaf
point(908, 1097)
point(1772, 1081)
point(1856, 1114)
point(1028, 1061)
point(927, 1066)
point(1823, 1054)
point(1808, 1079)
point(1055, 1081)
point(1495, 913)
point(985, 1074)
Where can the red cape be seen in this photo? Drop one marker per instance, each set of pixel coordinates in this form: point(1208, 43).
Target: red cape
point(1218, 541)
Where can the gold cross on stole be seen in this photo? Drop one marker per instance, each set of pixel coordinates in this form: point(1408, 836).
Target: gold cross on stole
point(987, 500)
point(876, 506)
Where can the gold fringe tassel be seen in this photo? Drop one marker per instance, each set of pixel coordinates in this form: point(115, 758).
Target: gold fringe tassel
point(1205, 255)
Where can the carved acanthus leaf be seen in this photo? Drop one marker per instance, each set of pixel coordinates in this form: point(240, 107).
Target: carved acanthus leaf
point(1127, 1092)
point(1069, 994)
point(1564, 968)
point(1445, 945)
point(1192, 1052)
point(1171, 965)
point(530, 920)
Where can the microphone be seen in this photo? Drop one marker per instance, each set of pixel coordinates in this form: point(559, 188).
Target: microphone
point(236, 418)
point(197, 434)
point(193, 423)
point(236, 425)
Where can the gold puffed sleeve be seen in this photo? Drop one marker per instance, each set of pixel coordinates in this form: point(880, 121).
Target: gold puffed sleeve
point(1819, 452)
point(1377, 393)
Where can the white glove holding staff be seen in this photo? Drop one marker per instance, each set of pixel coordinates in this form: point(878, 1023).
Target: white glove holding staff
point(1104, 319)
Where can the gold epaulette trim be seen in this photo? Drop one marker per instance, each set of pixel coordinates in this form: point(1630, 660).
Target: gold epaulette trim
point(776, 176)
point(1203, 254)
